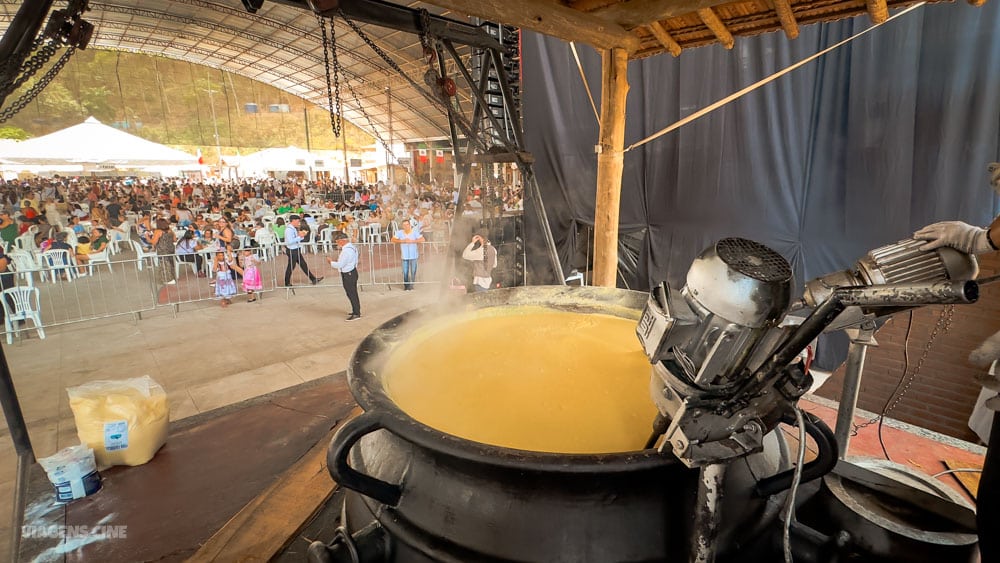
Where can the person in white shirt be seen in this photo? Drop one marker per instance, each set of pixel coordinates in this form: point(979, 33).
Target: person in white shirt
point(483, 256)
point(348, 266)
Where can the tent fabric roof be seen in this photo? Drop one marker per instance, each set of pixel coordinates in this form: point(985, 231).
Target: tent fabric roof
point(281, 44)
point(282, 159)
point(92, 142)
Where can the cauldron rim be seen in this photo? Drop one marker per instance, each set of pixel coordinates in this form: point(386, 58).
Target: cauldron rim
point(368, 391)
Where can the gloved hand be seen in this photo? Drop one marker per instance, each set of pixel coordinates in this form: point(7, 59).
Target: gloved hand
point(956, 234)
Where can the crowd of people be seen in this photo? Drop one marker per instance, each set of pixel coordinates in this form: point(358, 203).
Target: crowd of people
point(194, 221)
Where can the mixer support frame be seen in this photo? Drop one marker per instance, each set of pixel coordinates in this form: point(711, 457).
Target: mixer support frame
point(440, 31)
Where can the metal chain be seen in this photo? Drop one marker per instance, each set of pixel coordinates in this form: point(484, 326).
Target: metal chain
point(459, 119)
point(425, 28)
point(43, 51)
point(9, 64)
point(26, 98)
point(330, 51)
point(371, 124)
point(944, 322)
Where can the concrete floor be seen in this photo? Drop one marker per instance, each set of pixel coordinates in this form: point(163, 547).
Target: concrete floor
point(205, 357)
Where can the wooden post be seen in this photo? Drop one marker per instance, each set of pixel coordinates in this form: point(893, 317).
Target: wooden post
point(610, 159)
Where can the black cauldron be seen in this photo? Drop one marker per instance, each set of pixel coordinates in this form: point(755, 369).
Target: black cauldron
point(418, 494)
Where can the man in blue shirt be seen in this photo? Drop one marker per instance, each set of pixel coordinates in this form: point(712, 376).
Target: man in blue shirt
point(293, 243)
point(407, 238)
point(348, 266)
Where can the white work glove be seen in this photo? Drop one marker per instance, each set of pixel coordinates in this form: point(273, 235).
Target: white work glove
point(956, 234)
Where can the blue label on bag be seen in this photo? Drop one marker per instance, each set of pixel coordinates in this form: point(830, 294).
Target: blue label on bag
point(78, 488)
point(116, 435)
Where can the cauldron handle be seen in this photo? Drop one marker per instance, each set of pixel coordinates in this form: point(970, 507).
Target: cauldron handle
point(345, 475)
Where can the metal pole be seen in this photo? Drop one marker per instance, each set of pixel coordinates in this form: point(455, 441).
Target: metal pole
point(305, 116)
point(22, 446)
point(861, 338)
point(215, 123)
point(347, 172)
point(12, 410)
point(543, 219)
point(24, 463)
point(390, 173)
point(706, 512)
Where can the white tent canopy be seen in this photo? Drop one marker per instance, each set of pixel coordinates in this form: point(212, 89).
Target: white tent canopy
point(287, 159)
point(92, 143)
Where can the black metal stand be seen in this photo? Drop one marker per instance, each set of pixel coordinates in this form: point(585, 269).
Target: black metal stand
point(22, 446)
point(504, 142)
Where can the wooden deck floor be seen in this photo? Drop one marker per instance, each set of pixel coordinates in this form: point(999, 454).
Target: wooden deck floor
point(210, 467)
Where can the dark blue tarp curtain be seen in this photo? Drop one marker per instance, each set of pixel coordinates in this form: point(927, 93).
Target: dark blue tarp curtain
point(850, 152)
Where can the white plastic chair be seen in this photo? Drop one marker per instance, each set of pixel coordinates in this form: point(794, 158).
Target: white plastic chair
point(326, 239)
point(266, 241)
point(141, 254)
point(103, 257)
point(26, 241)
point(208, 260)
point(113, 246)
point(117, 236)
point(25, 265)
point(309, 245)
point(371, 233)
point(179, 264)
point(576, 276)
point(20, 304)
point(57, 262)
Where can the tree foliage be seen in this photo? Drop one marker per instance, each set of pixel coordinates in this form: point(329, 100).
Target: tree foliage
point(16, 133)
point(178, 103)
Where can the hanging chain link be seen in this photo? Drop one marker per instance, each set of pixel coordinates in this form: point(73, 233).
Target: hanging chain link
point(459, 119)
point(371, 125)
point(43, 51)
point(37, 88)
point(425, 29)
point(943, 324)
point(334, 98)
point(332, 94)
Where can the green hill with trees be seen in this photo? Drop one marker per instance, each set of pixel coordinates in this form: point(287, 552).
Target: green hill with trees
point(176, 103)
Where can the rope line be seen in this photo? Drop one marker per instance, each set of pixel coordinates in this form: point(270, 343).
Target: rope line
point(586, 85)
point(684, 121)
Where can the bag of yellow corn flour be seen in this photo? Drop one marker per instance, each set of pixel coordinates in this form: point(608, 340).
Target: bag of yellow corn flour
point(125, 421)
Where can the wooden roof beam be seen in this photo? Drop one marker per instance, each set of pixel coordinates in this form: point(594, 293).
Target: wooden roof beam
point(665, 39)
point(549, 19)
point(635, 13)
point(784, 10)
point(878, 10)
point(720, 30)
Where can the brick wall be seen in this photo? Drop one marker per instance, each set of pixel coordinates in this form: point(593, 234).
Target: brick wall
point(943, 392)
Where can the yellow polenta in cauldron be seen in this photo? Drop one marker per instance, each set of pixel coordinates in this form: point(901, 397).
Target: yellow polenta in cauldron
point(529, 378)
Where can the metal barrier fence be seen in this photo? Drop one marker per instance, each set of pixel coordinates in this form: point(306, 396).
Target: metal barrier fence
point(127, 285)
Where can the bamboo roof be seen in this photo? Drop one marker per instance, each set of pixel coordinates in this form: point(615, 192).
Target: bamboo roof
point(650, 27)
